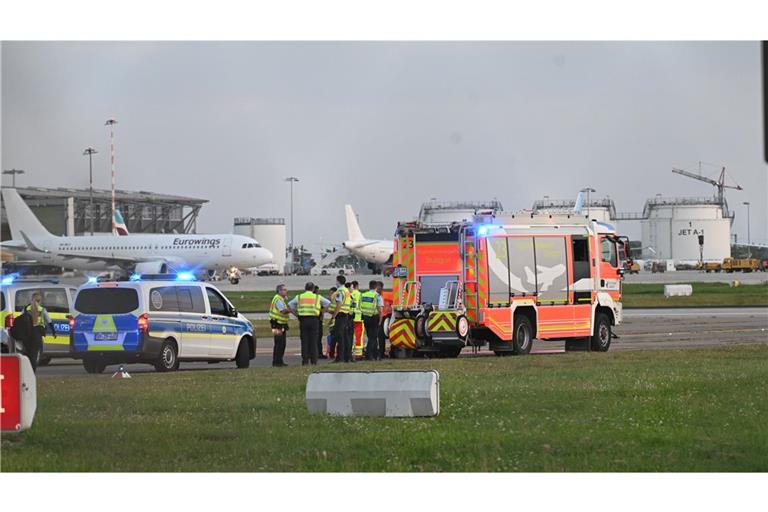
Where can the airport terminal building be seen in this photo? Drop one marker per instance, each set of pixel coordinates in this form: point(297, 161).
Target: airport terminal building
point(67, 211)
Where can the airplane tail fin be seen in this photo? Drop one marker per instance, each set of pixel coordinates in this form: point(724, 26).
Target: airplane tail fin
point(579, 204)
point(120, 228)
point(23, 223)
point(353, 228)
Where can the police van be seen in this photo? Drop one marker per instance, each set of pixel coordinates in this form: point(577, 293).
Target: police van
point(158, 320)
point(16, 293)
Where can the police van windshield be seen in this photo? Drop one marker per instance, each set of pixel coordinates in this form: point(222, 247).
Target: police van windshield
point(99, 301)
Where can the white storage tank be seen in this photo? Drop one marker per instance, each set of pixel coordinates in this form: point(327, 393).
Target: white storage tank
point(269, 232)
point(672, 226)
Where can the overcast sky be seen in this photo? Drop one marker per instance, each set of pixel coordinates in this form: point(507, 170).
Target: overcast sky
point(386, 126)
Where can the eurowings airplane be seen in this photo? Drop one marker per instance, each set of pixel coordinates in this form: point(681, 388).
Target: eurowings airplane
point(372, 251)
point(141, 254)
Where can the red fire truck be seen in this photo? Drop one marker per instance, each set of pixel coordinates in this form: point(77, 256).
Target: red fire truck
point(505, 280)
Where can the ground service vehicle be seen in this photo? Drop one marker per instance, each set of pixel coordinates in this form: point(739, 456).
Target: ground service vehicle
point(15, 293)
point(158, 321)
point(503, 281)
point(740, 265)
point(711, 266)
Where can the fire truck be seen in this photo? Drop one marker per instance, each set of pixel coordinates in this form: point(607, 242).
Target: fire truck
point(505, 280)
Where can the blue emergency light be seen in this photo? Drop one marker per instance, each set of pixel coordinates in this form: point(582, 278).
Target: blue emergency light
point(484, 229)
point(185, 276)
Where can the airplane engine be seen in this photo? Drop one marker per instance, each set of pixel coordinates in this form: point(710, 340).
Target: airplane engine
point(151, 267)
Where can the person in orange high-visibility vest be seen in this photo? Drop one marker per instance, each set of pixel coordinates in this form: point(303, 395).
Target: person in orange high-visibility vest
point(357, 321)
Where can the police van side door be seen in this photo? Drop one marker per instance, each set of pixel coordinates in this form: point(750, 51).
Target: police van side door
point(194, 320)
point(222, 328)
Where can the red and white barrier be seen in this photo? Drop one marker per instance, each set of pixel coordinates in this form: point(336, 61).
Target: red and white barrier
point(18, 393)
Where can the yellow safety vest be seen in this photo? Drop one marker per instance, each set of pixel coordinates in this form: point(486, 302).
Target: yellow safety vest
point(369, 302)
point(356, 305)
point(40, 317)
point(274, 312)
point(308, 304)
point(346, 304)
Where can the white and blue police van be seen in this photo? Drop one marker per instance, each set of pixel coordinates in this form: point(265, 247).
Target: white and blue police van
point(159, 320)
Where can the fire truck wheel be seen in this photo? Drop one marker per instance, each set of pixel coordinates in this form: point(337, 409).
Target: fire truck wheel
point(44, 361)
point(601, 340)
point(450, 352)
point(93, 366)
point(522, 337)
point(169, 357)
point(462, 327)
point(421, 326)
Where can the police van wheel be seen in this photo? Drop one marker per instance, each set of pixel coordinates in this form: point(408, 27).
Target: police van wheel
point(601, 339)
point(522, 336)
point(44, 361)
point(93, 366)
point(169, 357)
point(242, 359)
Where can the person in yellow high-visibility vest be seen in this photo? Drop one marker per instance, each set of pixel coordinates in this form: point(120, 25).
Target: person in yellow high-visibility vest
point(342, 320)
point(40, 319)
point(278, 318)
point(357, 322)
point(369, 309)
point(308, 308)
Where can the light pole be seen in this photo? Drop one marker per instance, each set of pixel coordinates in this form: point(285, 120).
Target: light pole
point(90, 152)
point(749, 238)
point(111, 123)
point(291, 180)
point(13, 173)
point(588, 190)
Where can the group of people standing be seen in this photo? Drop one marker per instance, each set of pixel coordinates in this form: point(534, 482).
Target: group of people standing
point(351, 311)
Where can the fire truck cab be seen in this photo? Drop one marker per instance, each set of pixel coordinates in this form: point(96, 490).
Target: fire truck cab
point(505, 280)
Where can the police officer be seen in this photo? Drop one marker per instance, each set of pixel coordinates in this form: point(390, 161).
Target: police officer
point(384, 312)
point(40, 319)
point(308, 307)
point(332, 350)
point(320, 353)
point(278, 319)
point(357, 321)
point(369, 310)
point(342, 321)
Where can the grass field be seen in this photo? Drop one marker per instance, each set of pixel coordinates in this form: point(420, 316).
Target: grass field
point(635, 296)
point(670, 410)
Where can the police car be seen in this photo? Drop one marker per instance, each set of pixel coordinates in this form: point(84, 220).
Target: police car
point(16, 292)
point(159, 320)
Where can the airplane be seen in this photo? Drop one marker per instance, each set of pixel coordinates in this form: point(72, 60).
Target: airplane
point(137, 254)
point(119, 227)
point(376, 252)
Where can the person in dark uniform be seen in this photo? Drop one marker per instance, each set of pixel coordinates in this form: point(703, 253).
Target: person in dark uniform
point(33, 345)
point(342, 320)
point(278, 319)
point(381, 335)
point(369, 311)
point(308, 306)
point(320, 353)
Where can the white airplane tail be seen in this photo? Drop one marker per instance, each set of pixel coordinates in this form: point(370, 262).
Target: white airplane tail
point(23, 223)
point(353, 228)
point(579, 204)
point(119, 228)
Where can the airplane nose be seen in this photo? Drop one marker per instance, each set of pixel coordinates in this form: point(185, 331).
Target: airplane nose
point(267, 256)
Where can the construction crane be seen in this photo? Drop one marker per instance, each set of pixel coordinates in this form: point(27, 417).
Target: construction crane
point(719, 184)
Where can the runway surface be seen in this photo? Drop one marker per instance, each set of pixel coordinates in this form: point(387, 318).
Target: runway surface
point(642, 329)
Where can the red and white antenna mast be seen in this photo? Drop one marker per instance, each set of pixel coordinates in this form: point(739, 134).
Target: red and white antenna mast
point(111, 123)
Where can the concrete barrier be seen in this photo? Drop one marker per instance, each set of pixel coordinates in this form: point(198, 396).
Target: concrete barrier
point(375, 393)
point(678, 290)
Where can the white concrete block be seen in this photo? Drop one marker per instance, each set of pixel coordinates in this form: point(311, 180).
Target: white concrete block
point(375, 393)
point(678, 290)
